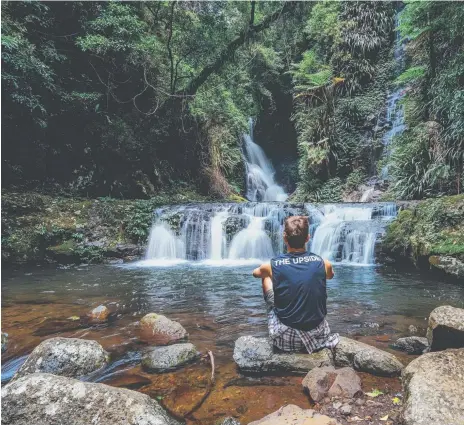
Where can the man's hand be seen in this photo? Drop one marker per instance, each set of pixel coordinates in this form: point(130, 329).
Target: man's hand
point(263, 271)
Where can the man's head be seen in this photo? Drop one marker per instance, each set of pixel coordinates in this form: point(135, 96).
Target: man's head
point(296, 231)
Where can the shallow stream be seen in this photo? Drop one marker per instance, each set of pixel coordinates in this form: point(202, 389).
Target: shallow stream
point(216, 304)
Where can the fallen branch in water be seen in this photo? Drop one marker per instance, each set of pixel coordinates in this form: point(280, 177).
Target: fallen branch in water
point(208, 389)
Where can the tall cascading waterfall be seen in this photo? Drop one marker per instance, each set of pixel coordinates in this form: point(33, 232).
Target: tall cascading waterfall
point(260, 183)
point(395, 108)
point(230, 233)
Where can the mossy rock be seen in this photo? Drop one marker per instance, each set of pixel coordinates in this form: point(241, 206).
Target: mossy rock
point(431, 227)
point(64, 252)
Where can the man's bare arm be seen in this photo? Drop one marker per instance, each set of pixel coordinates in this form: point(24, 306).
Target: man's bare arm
point(328, 269)
point(263, 271)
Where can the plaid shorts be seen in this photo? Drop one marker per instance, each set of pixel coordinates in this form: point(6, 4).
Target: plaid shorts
point(289, 339)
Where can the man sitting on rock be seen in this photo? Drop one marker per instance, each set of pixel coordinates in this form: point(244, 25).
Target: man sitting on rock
point(294, 288)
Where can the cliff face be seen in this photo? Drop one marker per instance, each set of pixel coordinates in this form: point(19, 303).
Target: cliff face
point(429, 233)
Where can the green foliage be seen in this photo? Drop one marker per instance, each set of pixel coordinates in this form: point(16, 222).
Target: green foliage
point(428, 158)
point(116, 90)
point(340, 88)
point(331, 191)
point(138, 222)
point(435, 226)
point(411, 75)
point(355, 179)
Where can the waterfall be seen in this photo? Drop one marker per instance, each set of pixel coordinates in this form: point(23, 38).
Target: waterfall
point(163, 244)
point(252, 242)
point(228, 233)
point(348, 234)
point(260, 182)
point(395, 108)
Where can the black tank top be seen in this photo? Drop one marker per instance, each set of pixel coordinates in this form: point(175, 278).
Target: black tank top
point(300, 292)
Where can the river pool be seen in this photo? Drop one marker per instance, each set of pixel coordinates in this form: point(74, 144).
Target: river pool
point(216, 303)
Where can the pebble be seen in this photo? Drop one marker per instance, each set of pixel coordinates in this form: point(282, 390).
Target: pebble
point(337, 405)
point(345, 410)
point(360, 402)
point(412, 329)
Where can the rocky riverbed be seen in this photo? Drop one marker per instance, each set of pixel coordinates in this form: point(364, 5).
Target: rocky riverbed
point(175, 379)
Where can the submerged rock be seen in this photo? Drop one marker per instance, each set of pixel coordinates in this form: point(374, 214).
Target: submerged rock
point(71, 357)
point(446, 328)
point(44, 399)
point(4, 341)
point(434, 389)
point(327, 381)
point(159, 330)
point(294, 415)
point(99, 314)
point(412, 344)
point(257, 355)
point(160, 359)
point(229, 421)
point(365, 358)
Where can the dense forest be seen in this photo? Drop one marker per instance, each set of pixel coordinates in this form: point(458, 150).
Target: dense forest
point(128, 99)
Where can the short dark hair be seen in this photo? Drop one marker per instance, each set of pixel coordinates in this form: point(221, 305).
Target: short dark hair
point(296, 231)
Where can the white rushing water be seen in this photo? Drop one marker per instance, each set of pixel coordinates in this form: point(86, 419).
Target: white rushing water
point(163, 244)
point(260, 182)
point(222, 234)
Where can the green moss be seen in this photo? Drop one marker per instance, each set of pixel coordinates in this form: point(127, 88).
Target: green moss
point(66, 247)
point(236, 198)
point(434, 226)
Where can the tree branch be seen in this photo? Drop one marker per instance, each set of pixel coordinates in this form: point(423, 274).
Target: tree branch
point(217, 64)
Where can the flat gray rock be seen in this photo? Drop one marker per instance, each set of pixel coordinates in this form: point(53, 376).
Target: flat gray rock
point(365, 358)
point(327, 381)
point(44, 399)
point(434, 389)
point(412, 344)
point(160, 359)
point(257, 355)
point(70, 357)
point(294, 415)
point(446, 328)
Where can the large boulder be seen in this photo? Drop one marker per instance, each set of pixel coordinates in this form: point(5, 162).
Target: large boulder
point(257, 355)
point(327, 381)
point(71, 357)
point(434, 389)
point(294, 415)
point(159, 330)
point(365, 358)
point(412, 344)
point(446, 328)
point(161, 359)
point(44, 399)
